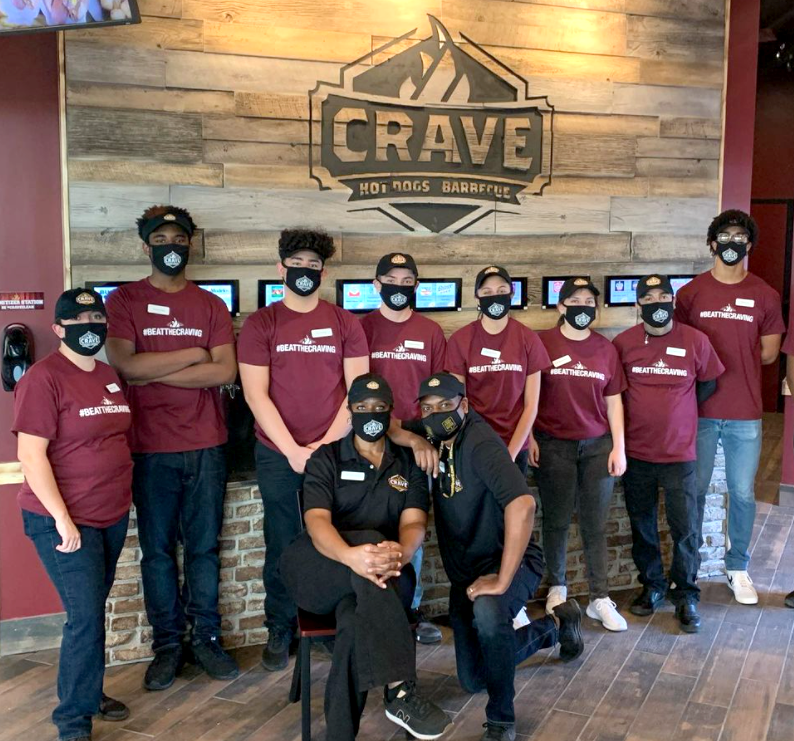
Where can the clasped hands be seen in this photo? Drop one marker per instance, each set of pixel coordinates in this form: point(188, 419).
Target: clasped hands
point(376, 562)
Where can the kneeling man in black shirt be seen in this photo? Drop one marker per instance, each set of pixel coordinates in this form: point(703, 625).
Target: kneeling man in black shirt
point(484, 516)
point(365, 502)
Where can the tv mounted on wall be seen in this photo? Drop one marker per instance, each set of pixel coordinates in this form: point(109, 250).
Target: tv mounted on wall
point(24, 16)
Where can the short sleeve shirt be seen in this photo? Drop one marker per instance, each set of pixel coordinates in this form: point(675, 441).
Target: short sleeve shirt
point(305, 354)
point(404, 353)
point(167, 419)
point(574, 388)
point(734, 317)
point(495, 369)
point(661, 407)
point(85, 417)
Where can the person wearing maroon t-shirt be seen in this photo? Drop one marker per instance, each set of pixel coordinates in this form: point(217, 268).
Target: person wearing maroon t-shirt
point(71, 420)
point(669, 367)
point(404, 348)
point(577, 446)
point(500, 360)
point(173, 343)
point(741, 315)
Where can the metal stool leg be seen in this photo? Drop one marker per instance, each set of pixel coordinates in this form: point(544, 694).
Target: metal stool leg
point(295, 687)
point(306, 690)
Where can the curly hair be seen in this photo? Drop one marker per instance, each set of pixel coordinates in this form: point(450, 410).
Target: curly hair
point(155, 211)
point(732, 217)
point(295, 240)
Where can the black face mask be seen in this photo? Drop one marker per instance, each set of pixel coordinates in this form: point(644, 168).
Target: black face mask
point(397, 297)
point(85, 339)
point(170, 259)
point(443, 425)
point(371, 426)
point(580, 317)
point(303, 281)
point(496, 306)
point(657, 315)
point(731, 253)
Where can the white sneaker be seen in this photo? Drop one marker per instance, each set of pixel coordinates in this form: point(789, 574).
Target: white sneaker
point(742, 585)
point(557, 595)
point(606, 611)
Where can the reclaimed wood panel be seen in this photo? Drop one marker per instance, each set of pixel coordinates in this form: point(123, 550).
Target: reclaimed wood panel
point(144, 172)
point(651, 247)
point(111, 206)
point(681, 215)
point(291, 177)
point(659, 167)
point(702, 149)
point(271, 105)
point(162, 8)
point(256, 153)
point(152, 33)
point(674, 39)
point(691, 128)
point(660, 100)
point(580, 154)
point(149, 98)
point(669, 72)
point(239, 128)
point(573, 123)
point(92, 247)
point(123, 65)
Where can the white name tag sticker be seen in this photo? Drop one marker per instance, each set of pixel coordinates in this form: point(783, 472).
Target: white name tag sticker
point(561, 361)
point(491, 353)
point(113, 388)
point(414, 344)
point(156, 309)
point(326, 332)
point(352, 475)
point(679, 352)
point(746, 302)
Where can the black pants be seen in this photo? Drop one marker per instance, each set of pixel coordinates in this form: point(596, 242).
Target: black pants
point(279, 487)
point(374, 645)
point(679, 481)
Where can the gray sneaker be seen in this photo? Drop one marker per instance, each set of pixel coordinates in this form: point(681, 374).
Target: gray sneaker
point(426, 632)
point(495, 732)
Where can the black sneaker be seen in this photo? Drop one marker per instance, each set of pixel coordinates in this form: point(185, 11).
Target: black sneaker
point(214, 660)
point(570, 631)
point(494, 732)
point(426, 632)
point(647, 602)
point(164, 668)
point(789, 601)
point(112, 710)
point(687, 614)
point(420, 717)
point(275, 655)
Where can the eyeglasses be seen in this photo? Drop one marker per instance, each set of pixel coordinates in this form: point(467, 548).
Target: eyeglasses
point(740, 238)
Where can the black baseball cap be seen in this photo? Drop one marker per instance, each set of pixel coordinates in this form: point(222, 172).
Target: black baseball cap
point(488, 272)
point(370, 386)
point(71, 304)
point(572, 285)
point(444, 385)
point(653, 281)
point(176, 216)
point(396, 260)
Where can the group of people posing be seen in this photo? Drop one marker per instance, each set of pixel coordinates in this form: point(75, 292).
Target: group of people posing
point(359, 426)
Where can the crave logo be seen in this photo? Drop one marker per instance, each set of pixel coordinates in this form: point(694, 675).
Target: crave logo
point(431, 133)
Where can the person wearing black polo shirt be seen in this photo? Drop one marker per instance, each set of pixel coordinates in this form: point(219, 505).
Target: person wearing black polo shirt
point(365, 503)
point(669, 368)
point(484, 515)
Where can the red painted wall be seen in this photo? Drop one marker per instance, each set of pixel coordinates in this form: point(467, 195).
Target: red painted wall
point(31, 256)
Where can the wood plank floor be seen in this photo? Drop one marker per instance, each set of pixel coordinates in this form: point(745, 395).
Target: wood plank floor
point(734, 681)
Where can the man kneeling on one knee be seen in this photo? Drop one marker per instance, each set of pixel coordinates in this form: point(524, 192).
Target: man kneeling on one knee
point(365, 503)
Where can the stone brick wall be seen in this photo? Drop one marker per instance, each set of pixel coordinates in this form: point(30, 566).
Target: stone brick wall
point(243, 554)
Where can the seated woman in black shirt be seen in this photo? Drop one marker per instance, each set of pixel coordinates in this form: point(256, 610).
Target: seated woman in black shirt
point(365, 502)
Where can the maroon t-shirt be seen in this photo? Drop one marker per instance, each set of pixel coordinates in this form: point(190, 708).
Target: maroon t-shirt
point(495, 368)
point(404, 353)
point(86, 418)
point(660, 402)
point(734, 317)
point(788, 345)
point(167, 419)
point(574, 389)
point(305, 353)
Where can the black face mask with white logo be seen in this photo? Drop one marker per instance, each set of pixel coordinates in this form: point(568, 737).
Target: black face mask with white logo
point(580, 317)
point(170, 259)
point(397, 297)
point(731, 253)
point(657, 315)
point(496, 306)
point(86, 338)
point(370, 426)
point(303, 281)
point(443, 425)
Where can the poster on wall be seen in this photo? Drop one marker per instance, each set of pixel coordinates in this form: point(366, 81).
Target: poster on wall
point(21, 300)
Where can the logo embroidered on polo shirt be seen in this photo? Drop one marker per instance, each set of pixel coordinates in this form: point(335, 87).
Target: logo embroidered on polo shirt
point(398, 482)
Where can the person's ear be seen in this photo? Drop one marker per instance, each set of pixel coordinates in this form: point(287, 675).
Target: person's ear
point(60, 332)
point(377, 285)
point(561, 309)
point(464, 405)
point(281, 269)
point(147, 250)
point(324, 273)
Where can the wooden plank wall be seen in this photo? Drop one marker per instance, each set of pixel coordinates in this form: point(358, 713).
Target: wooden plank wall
point(205, 105)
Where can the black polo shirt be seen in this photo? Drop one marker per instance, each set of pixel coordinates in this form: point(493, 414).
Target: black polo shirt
point(469, 518)
point(359, 496)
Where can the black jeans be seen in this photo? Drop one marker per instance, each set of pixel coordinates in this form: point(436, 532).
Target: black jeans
point(522, 461)
point(679, 481)
point(83, 580)
point(179, 497)
point(488, 649)
point(574, 474)
point(374, 645)
point(279, 487)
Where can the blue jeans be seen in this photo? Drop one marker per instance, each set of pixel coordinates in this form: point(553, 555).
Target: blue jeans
point(83, 580)
point(741, 443)
point(179, 498)
point(488, 649)
point(416, 562)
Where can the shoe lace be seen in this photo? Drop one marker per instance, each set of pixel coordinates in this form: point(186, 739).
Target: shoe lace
point(605, 605)
point(418, 704)
point(744, 579)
